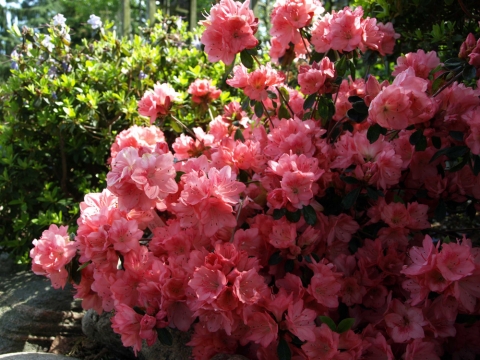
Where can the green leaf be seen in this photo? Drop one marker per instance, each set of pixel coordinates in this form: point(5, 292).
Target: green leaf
point(452, 153)
point(309, 101)
point(275, 259)
point(165, 337)
point(279, 213)
point(352, 69)
point(258, 109)
point(415, 137)
point(329, 322)
point(356, 116)
point(16, 30)
point(310, 215)
point(239, 135)
point(350, 198)
point(373, 133)
point(283, 350)
point(421, 145)
point(476, 165)
point(456, 135)
point(283, 113)
point(452, 64)
point(436, 142)
point(246, 59)
point(289, 265)
point(178, 177)
point(360, 107)
point(294, 216)
point(469, 72)
point(84, 265)
point(349, 179)
point(341, 66)
point(345, 325)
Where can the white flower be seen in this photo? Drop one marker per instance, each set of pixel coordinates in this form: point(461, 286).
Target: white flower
point(59, 20)
point(47, 42)
point(95, 22)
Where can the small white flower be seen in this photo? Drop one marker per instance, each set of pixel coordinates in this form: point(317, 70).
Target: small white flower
point(179, 23)
point(47, 42)
point(59, 20)
point(95, 22)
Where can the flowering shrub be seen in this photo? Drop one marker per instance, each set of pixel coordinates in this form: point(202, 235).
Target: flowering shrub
point(63, 106)
point(303, 230)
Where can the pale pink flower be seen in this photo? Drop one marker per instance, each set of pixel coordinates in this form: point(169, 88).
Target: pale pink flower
point(203, 91)
point(155, 175)
point(157, 102)
point(51, 253)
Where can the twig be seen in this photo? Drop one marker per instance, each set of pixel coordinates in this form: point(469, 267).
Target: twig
point(447, 84)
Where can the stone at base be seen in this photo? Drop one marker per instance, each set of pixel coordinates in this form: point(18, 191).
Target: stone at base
point(34, 356)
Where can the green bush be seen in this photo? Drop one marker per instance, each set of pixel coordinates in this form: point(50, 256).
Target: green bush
point(62, 108)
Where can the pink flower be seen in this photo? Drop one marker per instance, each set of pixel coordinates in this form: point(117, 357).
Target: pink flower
point(300, 321)
point(421, 63)
point(51, 253)
point(317, 78)
point(126, 322)
point(229, 29)
point(125, 235)
point(404, 322)
point(155, 174)
point(325, 345)
point(203, 91)
point(263, 329)
point(207, 284)
point(157, 102)
point(455, 261)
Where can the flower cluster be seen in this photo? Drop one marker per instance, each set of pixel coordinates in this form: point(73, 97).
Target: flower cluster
point(304, 229)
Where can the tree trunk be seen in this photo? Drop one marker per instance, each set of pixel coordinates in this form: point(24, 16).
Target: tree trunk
point(125, 19)
point(151, 10)
point(193, 15)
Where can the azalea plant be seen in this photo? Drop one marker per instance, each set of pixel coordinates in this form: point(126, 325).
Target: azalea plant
point(298, 225)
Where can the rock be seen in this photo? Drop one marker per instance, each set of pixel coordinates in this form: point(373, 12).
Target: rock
point(100, 328)
point(32, 313)
point(34, 356)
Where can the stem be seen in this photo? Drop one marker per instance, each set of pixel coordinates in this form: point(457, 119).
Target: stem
point(366, 73)
point(237, 217)
point(305, 44)
point(184, 126)
point(63, 181)
point(210, 112)
point(285, 102)
point(256, 60)
point(268, 115)
point(447, 84)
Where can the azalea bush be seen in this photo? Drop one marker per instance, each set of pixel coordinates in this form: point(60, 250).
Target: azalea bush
point(304, 221)
point(63, 106)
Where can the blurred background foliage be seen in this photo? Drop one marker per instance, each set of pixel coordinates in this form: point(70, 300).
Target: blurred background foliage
point(60, 109)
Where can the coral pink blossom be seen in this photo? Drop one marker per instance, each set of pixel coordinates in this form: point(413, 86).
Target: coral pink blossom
point(203, 91)
point(325, 345)
point(51, 253)
point(229, 29)
point(157, 102)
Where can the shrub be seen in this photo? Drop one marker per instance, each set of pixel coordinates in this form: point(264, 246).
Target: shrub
point(63, 106)
point(302, 225)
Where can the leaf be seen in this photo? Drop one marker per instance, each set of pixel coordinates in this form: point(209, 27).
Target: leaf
point(283, 350)
point(178, 177)
point(271, 95)
point(436, 142)
point(245, 104)
point(345, 325)
point(294, 216)
point(469, 72)
point(372, 193)
point(246, 59)
point(415, 137)
point(309, 101)
point(289, 265)
point(373, 133)
point(341, 66)
point(350, 198)
point(258, 109)
point(452, 153)
point(84, 265)
point(283, 113)
point(360, 107)
point(421, 145)
point(279, 213)
point(356, 116)
point(476, 165)
point(165, 337)
point(275, 259)
point(456, 135)
point(329, 322)
point(349, 179)
point(239, 135)
point(310, 215)
point(352, 69)
point(452, 64)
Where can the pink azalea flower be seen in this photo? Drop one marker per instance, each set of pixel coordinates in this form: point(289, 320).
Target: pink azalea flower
point(325, 345)
point(203, 91)
point(300, 321)
point(404, 322)
point(51, 253)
